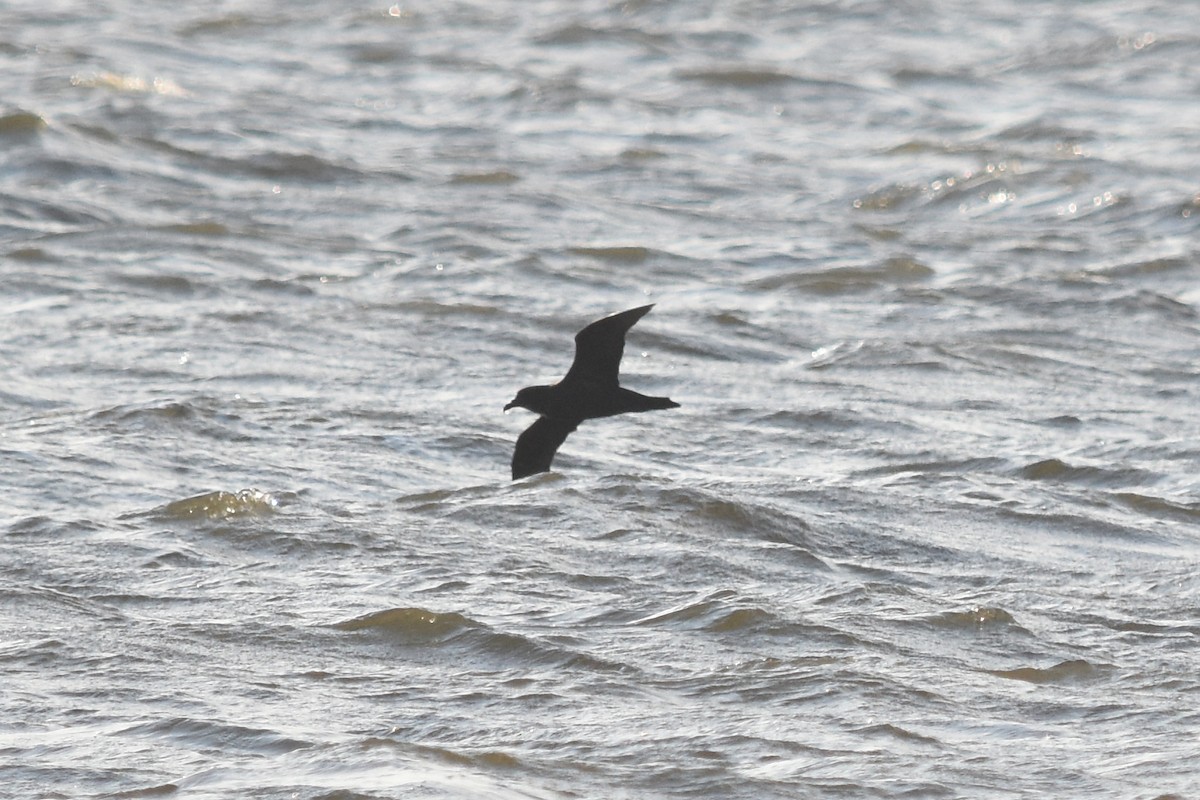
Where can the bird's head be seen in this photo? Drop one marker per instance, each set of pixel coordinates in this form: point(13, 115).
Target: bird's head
point(534, 398)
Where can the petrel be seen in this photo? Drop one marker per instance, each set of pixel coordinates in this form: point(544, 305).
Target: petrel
point(589, 390)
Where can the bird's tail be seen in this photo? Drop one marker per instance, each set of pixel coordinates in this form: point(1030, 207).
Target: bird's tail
point(632, 401)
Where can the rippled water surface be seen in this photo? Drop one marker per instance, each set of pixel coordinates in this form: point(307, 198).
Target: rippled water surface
point(927, 286)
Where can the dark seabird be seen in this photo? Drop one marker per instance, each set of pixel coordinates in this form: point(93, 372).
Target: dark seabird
point(589, 390)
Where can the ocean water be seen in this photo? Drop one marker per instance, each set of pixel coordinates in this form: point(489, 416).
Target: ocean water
point(927, 287)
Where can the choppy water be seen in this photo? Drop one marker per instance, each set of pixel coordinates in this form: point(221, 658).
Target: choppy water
point(927, 279)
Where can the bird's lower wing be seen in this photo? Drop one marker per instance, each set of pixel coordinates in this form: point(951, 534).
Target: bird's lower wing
point(538, 444)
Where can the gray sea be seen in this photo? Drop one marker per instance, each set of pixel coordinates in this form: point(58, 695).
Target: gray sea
point(927, 287)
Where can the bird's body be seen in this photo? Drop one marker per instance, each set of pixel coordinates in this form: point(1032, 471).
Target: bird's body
point(589, 390)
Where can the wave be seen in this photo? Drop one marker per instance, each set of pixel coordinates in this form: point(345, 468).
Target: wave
point(221, 505)
point(412, 627)
point(893, 271)
point(1057, 470)
point(200, 734)
point(1073, 671)
point(974, 619)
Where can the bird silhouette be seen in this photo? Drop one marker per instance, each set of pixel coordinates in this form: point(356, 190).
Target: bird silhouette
point(589, 390)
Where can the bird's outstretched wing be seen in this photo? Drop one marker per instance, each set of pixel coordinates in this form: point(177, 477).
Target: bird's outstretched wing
point(538, 444)
point(599, 347)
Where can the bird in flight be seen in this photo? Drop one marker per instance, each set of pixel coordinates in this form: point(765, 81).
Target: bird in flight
point(589, 390)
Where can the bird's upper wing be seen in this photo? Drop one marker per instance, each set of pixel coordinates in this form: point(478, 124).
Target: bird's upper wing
point(538, 444)
point(599, 346)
